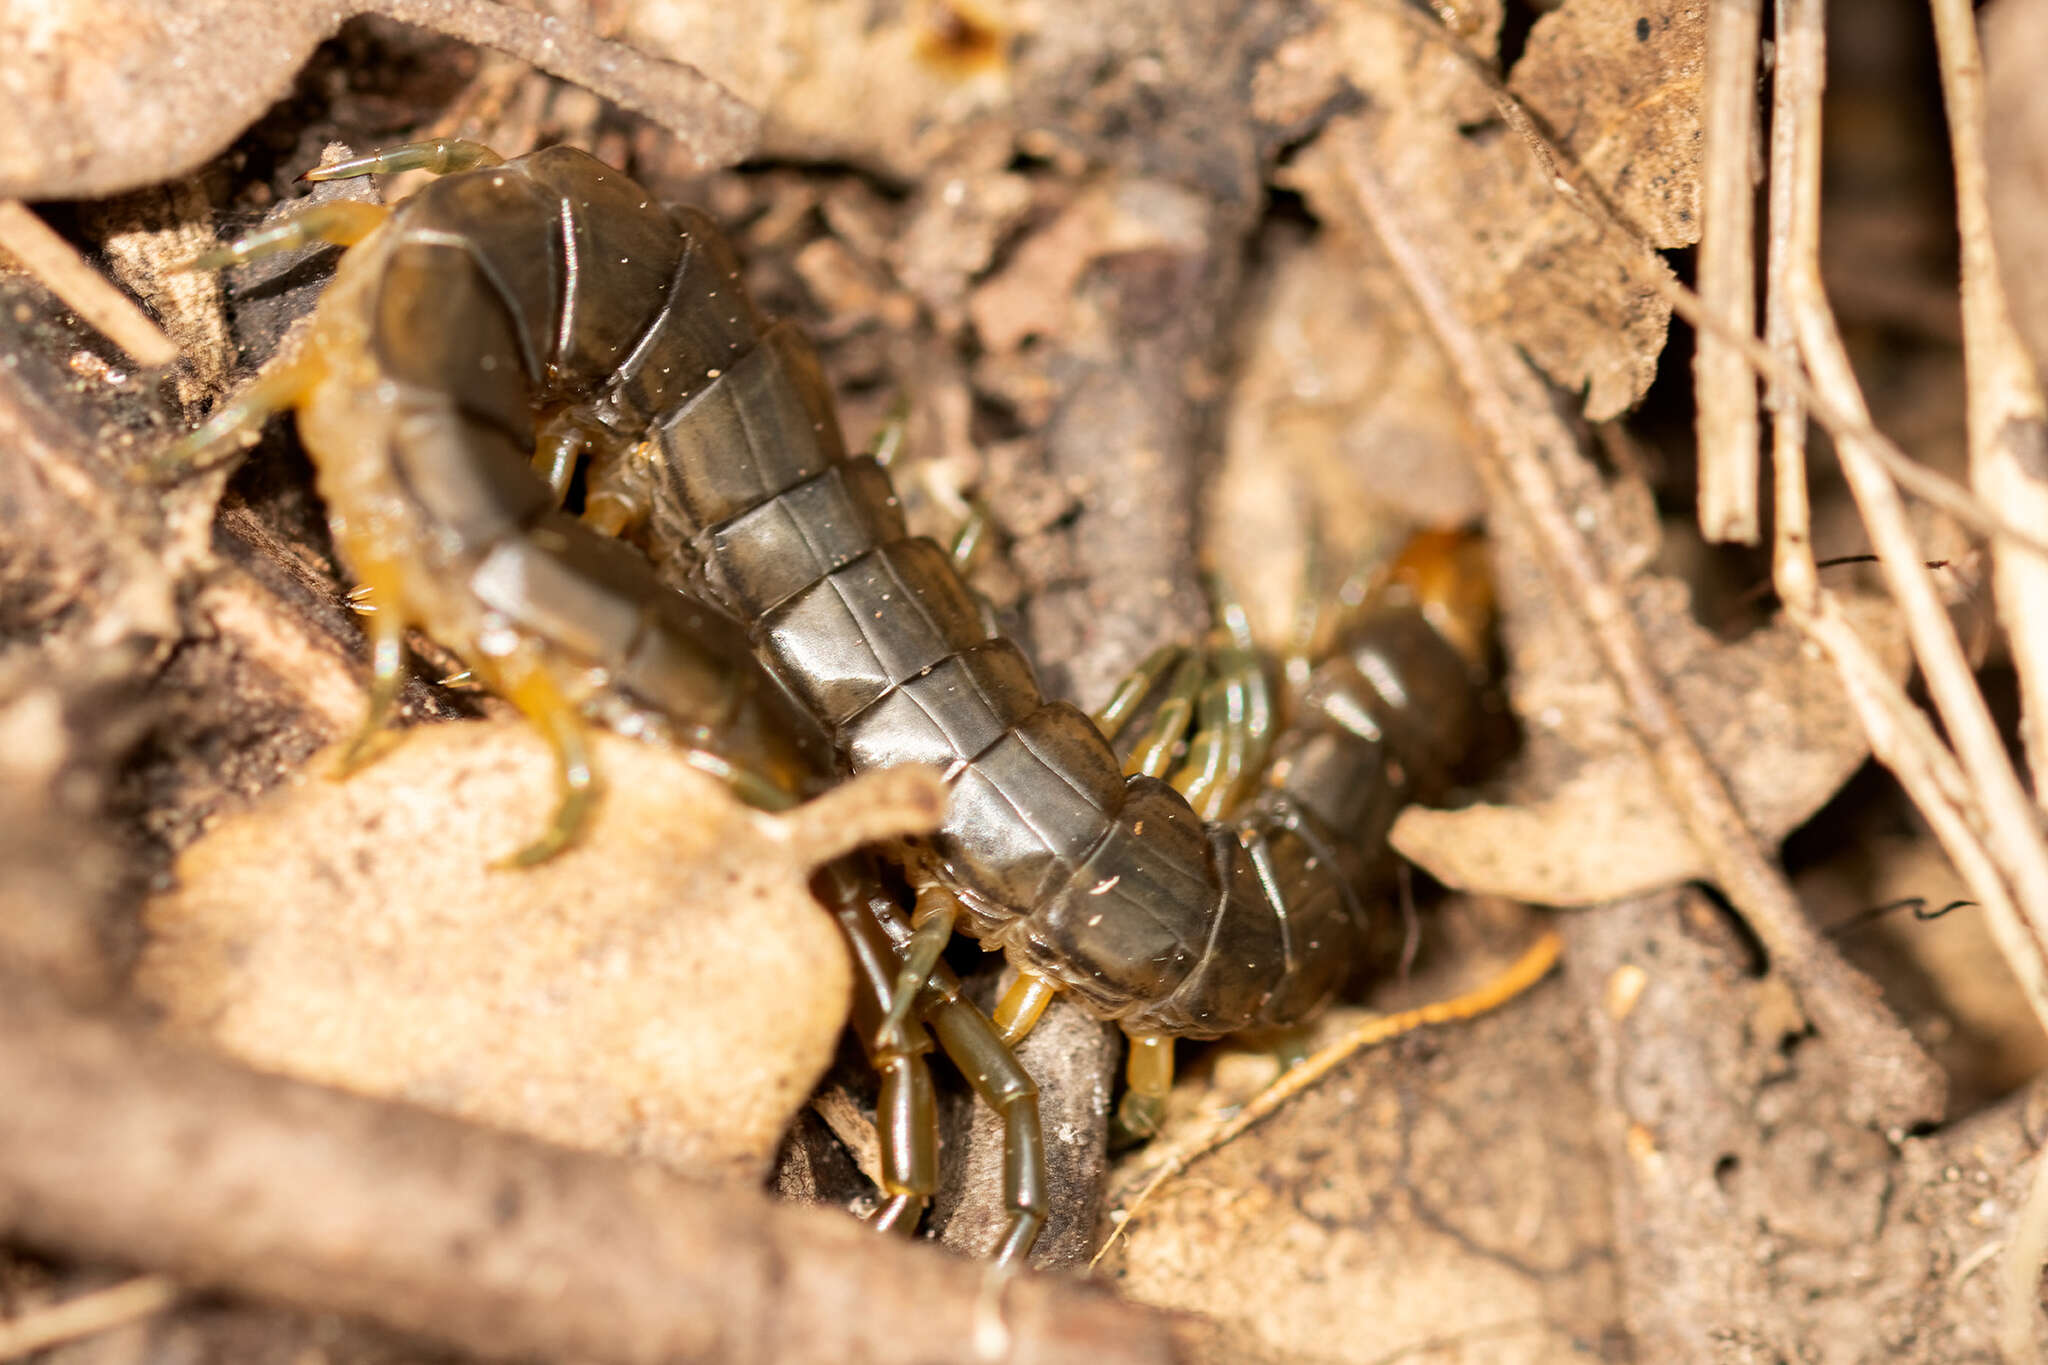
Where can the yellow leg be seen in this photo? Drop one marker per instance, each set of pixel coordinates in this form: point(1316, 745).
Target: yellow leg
point(527, 684)
point(275, 389)
point(1149, 1077)
point(386, 618)
point(1017, 1012)
point(619, 493)
point(343, 222)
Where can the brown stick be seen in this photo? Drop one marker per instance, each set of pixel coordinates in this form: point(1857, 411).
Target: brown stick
point(1726, 389)
point(116, 1145)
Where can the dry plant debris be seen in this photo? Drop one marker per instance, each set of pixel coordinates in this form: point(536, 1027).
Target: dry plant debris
point(105, 97)
point(666, 989)
point(1582, 820)
point(1043, 222)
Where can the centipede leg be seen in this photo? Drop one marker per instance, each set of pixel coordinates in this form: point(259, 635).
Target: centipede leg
point(526, 682)
point(380, 591)
point(1149, 1076)
point(270, 392)
point(905, 1114)
point(989, 1065)
point(618, 492)
point(1018, 1011)
point(1150, 752)
point(1234, 720)
point(937, 912)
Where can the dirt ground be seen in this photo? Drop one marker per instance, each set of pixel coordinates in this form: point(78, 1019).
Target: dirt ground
point(1188, 305)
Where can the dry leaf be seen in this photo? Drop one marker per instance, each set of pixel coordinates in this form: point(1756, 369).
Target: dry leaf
point(1522, 258)
point(1617, 83)
point(666, 988)
point(108, 95)
point(1342, 403)
point(1585, 818)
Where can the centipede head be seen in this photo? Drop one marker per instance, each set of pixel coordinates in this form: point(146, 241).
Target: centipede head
point(1445, 573)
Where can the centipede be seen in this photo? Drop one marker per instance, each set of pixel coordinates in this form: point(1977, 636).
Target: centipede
point(516, 322)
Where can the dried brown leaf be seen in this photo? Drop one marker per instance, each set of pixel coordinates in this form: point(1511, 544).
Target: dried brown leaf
point(1524, 259)
point(1585, 818)
point(667, 988)
point(1618, 84)
point(109, 95)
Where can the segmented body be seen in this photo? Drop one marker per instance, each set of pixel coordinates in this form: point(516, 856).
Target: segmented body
point(507, 319)
point(1111, 887)
point(431, 355)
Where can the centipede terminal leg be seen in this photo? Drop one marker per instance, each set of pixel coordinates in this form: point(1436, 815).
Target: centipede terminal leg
point(996, 1075)
point(932, 923)
point(906, 1115)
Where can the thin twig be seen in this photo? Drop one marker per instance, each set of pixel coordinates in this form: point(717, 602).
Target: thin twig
point(87, 1315)
point(2007, 432)
point(1531, 967)
point(1900, 734)
point(1724, 387)
point(114, 1144)
point(84, 290)
point(1792, 569)
point(1528, 446)
point(2011, 831)
point(2019, 1274)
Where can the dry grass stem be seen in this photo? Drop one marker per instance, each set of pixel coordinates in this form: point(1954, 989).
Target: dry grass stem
point(2008, 819)
point(1531, 455)
point(1792, 569)
point(1725, 388)
point(57, 264)
point(1900, 735)
point(2007, 437)
point(87, 1315)
point(2007, 432)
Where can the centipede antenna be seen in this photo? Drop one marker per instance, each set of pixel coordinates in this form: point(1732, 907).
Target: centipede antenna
point(437, 156)
point(340, 222)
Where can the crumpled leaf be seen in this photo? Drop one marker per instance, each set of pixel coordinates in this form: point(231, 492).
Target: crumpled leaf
point(1522, 258)
point(102, 97)
point(1584, 817)
point(666, 988)
point(1341, 402)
